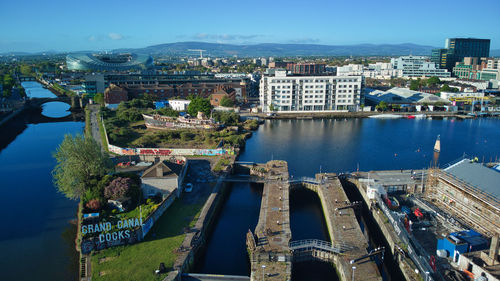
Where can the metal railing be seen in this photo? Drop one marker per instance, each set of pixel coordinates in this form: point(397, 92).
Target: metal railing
point(319, 245)
point(414, 248)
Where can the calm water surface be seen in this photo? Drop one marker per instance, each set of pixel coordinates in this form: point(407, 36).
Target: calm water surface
point(37, 238)
point(338, 146)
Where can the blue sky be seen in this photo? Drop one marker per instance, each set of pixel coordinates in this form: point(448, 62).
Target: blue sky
point(29, 25)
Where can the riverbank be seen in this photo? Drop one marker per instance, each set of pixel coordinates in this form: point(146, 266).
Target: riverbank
point(333, 115)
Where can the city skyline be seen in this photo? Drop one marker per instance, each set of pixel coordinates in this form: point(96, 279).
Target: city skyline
point(61, 26)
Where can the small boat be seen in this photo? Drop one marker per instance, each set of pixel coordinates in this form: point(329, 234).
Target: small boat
point(410, 117)
point(419, 116)
point(386, 116)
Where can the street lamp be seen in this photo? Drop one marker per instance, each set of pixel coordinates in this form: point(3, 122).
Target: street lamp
point(353, 268)
point(263, 268)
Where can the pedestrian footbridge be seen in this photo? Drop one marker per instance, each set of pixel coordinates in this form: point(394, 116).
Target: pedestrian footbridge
point(213, 277)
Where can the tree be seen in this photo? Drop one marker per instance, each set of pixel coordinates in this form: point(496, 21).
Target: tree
point(25, 69)
point(199, 104)
point(414, 85)
point(79, 159)
point(227, 102)
point(118, 188)
point(99, 98)
point(382, 106)
point(433, 81)
point(445, 88)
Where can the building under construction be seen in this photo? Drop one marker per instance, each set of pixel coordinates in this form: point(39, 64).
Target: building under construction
point(469, 191)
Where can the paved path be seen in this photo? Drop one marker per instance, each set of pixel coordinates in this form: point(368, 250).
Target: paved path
point(94, 125)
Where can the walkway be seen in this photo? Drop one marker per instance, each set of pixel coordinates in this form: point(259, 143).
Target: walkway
point(344, 228)
point(271, 258)
point(94, 124)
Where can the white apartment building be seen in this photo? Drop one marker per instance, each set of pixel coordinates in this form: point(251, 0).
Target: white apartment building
point(418, 66)
point(377, 70)
point(291, 93)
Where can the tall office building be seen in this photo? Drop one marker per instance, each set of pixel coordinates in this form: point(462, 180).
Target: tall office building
point(457, 49)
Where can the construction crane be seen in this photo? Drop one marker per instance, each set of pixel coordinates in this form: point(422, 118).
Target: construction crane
point(198, 50)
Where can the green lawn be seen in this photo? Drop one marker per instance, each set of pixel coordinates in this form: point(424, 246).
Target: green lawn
point(139, 261)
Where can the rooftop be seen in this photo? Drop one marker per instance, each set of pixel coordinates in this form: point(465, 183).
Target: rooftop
point(478, 175)
point(403, 95)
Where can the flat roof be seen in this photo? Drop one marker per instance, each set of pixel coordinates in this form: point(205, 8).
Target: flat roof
point(478, 175)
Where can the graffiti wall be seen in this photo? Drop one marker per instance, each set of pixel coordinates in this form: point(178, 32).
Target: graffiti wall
point(167, 151)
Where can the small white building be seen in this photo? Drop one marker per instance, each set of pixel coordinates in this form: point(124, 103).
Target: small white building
point(161, 179)
point(179, 105)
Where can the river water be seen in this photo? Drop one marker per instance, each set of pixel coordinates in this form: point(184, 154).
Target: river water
point(37, 237)
point(337, 145)
point(38, 230)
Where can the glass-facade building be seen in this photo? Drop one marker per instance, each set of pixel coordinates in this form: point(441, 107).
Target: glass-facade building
point(108, 62)
point(459, 48)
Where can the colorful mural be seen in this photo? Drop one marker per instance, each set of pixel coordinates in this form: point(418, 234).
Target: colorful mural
point(167, 151)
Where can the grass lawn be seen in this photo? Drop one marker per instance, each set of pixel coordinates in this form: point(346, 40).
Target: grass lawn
point(139, 261)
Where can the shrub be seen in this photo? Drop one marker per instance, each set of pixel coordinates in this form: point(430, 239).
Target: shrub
point(94, 205)
point(118, 188)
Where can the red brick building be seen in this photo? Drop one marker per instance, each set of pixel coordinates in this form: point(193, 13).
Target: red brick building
point(115, 94)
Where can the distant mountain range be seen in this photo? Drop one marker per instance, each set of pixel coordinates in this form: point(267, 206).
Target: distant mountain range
point(275, 49)
point(282, 50)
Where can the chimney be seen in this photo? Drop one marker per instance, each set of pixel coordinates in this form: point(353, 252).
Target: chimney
point(159, 171)
point(493, 250)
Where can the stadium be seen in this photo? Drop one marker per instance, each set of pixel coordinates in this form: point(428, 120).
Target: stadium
point(108, 62)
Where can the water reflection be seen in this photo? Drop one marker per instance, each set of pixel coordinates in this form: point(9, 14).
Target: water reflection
point(35, 90)
point(56, 109)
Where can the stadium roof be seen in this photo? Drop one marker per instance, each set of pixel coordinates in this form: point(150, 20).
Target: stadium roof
point(84, 61)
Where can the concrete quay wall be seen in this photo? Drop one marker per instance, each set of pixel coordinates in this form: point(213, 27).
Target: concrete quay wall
point(193, 243)
point(343, 229)
point(405, 264)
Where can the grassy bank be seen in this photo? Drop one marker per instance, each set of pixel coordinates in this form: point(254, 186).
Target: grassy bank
point(126, 133)
point(102, 132)
point(87, 122)
point(139, 261)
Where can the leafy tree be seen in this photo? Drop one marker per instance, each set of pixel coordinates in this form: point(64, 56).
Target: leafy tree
point(167, 111)
point(227, 102)
point(415, 85)
point(79, 159)
point(199, 104)
point(271, 107)
point(445, 88)
point(227, 118)
point(118, 188)
point(99, 98)
point(382, 106)
point(433, 81)
point(26, 69)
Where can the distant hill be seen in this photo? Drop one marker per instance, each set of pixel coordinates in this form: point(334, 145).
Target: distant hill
point(273, 49)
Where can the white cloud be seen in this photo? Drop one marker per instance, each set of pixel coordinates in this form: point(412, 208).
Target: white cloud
point(92, 38)
point(115, 36)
